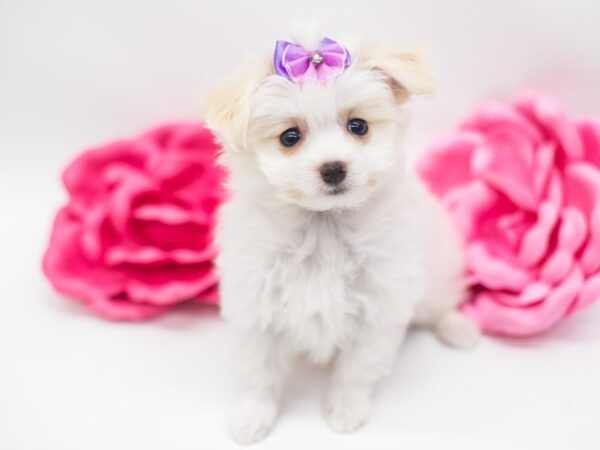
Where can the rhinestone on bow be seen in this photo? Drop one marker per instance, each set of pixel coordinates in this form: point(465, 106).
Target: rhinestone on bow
point(316, 58)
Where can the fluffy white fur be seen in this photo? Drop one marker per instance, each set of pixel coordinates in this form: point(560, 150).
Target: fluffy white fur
point(336, 278)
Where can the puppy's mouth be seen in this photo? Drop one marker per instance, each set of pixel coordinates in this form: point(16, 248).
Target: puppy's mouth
point(338, 190)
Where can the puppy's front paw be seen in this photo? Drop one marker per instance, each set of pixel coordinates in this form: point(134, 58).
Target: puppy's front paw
point(347, 409)
point(458, 331)
point(250, 420)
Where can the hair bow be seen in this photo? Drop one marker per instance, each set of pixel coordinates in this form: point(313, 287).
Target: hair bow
point(298, 64)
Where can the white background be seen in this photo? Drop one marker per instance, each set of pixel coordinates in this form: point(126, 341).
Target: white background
point(77, 73)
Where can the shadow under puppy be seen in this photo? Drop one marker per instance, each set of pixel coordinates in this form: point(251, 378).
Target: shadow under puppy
point(329, 247)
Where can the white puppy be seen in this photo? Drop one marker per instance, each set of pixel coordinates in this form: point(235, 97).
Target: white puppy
point(328, 248)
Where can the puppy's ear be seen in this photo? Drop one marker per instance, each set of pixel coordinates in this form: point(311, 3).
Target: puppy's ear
point(228, 108)
point(406, 69)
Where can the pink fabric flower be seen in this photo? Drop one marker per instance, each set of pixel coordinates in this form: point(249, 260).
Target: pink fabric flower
point(135, 236)
point(523, 186)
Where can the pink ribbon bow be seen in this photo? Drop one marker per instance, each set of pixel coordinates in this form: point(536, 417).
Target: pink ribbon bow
point(298, 64)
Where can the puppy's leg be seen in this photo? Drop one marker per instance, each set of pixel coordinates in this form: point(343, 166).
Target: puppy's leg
point(443, 252)
point(439, 312)
point(261, 366)
point(457, 330)
point(357, 370)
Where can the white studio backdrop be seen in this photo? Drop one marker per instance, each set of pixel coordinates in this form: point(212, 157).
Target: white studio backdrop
point(76, 73)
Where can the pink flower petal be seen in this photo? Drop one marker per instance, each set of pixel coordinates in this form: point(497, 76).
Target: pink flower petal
point(590, 258)
point(132, 184)
point(582, 182)
point(448, 165)
point(168, 237)
point(496, 318)
point(555, 192)
point(531, 294)
point(496, 118)
point(557, 267)
point(209, 296)
point(171, 286)
point(92, 164)
point(571, 235)
point(495, 273)
point(506, 161)
point(573, 230)
point(67, 267)
point(170, 214)
point(123, 310)
point(590, 292)
point(468, 203)
point(509, 230)
point(543, 164)
point(153, 255)
point(196, 140)
point(549, 115)
point(75, 276)
point(589, 132)
point(536, 239)
point(91, 235)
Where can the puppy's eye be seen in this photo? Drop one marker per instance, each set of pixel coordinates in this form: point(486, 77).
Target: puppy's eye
point(358, 127)
point(290, 137)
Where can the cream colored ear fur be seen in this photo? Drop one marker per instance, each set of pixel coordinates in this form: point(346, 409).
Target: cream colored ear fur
point(228, 107)
point(407, 69)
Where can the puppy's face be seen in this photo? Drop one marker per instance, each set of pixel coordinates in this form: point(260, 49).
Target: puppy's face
point(324, 146)
point(321, 146)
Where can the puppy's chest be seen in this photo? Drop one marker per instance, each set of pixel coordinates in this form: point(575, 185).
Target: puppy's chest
point(315, 286)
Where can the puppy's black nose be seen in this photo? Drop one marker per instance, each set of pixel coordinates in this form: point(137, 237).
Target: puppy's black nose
point(333, 173)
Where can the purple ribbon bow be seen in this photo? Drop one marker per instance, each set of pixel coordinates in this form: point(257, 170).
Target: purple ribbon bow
point(298, 64)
